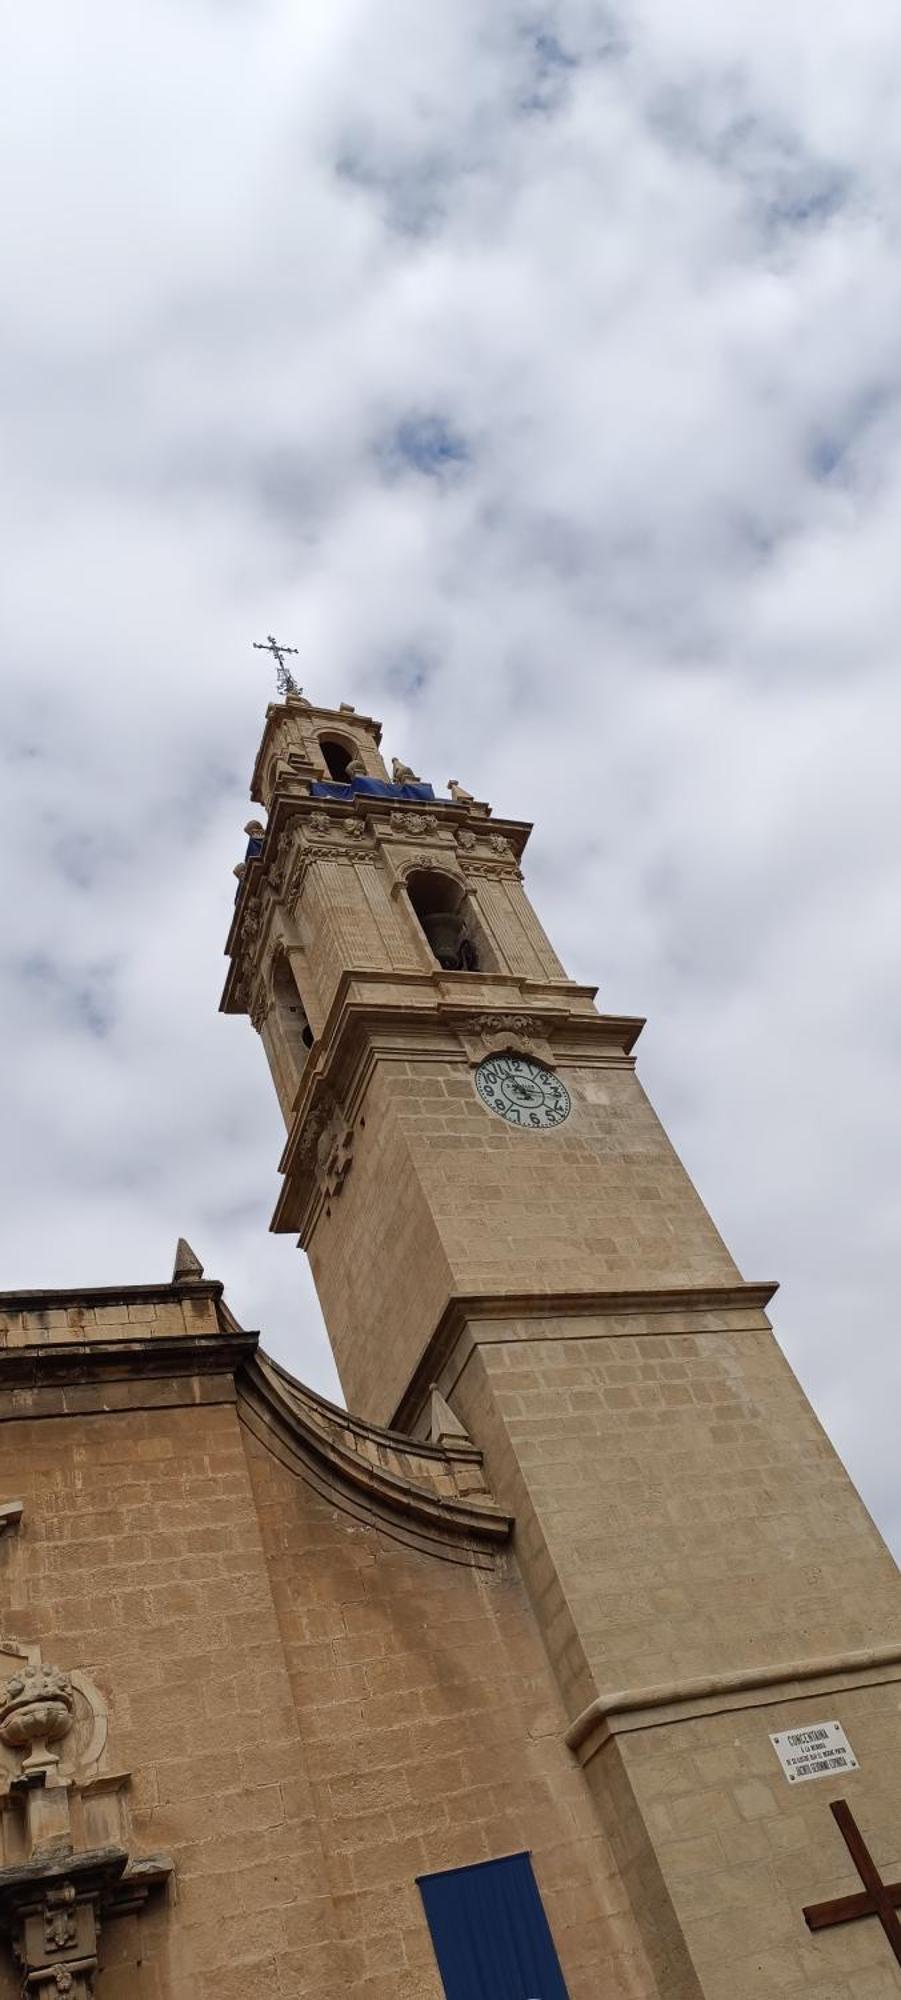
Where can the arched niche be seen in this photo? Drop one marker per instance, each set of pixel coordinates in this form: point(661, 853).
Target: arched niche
point(448, 921)
point(290, 1036)
point(337, 756)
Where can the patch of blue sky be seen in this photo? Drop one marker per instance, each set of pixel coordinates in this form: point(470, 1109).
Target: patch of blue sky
point(82, 858)
point(842, 446)
point(427, 443)
point(83, 998)
point(406, 673)
point(414, 196)
point(788, 186)
point(549, 68)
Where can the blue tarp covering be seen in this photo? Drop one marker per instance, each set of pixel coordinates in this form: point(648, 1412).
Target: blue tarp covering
point(373, 788)
point(492, 1939)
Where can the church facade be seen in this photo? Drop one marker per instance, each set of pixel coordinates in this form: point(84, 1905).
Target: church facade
point(566, 1661)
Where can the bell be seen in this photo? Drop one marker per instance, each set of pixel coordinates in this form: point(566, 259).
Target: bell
point(447, 937)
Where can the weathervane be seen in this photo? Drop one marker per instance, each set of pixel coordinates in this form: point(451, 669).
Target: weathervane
point(284, 677)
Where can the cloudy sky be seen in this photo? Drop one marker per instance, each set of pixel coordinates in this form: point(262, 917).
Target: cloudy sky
point(534, 369)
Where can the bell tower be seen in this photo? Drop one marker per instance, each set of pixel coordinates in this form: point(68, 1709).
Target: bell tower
point(387, 953)
point(490, 1205)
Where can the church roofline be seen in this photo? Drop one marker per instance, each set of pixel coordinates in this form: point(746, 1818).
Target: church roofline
point(92, 1296)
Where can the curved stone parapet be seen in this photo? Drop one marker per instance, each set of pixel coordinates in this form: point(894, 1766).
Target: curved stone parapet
point(433, 1496)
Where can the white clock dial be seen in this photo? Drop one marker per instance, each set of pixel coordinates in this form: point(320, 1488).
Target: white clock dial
point(522, 1092)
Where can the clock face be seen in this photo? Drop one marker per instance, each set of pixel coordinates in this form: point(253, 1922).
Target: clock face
point(523, 1092)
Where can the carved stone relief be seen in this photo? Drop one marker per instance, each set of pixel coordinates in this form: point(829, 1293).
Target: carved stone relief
point(415, 823)
point(492, 1034)
point(334, 1156)
point(55, 1888)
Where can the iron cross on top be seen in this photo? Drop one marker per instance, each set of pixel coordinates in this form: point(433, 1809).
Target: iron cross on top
point(285, 679)
point(876, 1899)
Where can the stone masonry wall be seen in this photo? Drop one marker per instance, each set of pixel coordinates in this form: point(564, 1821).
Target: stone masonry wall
point(139, 1561)
point(433, 1739)
point(443, 1197)
point(696, 1516)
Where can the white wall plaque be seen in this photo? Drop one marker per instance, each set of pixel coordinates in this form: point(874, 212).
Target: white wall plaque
point(814, 1752)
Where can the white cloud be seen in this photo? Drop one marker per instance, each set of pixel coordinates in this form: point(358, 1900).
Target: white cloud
point(536, 371)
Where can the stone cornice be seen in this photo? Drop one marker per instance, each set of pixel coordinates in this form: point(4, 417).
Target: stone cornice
point(626, 1710)
point(740, 1297)
point(78, 1364)
point(432, 1495)
point(90, 1296)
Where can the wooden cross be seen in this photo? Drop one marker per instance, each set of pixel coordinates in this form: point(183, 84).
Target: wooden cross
point(286, 682)
point(877, 1899)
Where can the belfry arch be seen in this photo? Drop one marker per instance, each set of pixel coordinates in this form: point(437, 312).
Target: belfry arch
point(337, 756)
point(445, 913)
point(291, 1037)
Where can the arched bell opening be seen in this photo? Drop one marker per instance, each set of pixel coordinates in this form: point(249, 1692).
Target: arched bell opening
point(445, 916)
point(290, 1011)
point(289, 1037)
point(337, 757)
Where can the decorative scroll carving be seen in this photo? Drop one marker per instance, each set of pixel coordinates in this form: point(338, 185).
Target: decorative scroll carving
point(325, 1150)
point(339, 829)
point(491, 1034)
point(414, 822)
point(473, 842)
point(334, 1155)
point(246, 948)
point(508, 868)
point(258, 1008)
point(279, 867)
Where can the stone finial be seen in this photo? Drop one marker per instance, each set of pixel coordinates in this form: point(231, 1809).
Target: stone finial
point(187, 1265)
point(402, 774)
point(255, 829)
point(37, 1706)
point(444, 1427)
point(458, 792)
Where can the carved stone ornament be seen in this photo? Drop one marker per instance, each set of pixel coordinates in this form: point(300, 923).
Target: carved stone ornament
point(279, 867)
point(493, 1034)
point(54, 1893)
point(37, 1706)
point(465, 837)
point(325, 1151)
point(414, 822)
point(259, 1006)
point(334, 1156)
point(319, 823)
point(250, 931)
